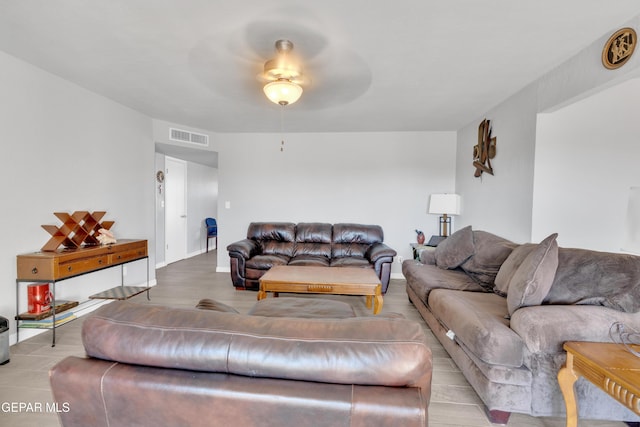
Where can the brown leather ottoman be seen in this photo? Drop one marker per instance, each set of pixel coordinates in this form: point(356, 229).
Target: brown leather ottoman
point(310, 308)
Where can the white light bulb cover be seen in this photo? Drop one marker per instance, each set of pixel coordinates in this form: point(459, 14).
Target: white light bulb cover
point(282, 92)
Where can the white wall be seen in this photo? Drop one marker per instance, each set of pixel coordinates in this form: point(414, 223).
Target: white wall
point(202, 202)
point(68, 149)
point(504, 203)
point(500, 203)
point(370, 178)
point(586, 160)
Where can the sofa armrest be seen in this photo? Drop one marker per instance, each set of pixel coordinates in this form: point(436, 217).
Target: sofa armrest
point(245, 248)
point(545, 328)
point(379, 250)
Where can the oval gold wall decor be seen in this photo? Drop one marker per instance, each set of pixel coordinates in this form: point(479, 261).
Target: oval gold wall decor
point(619, 48)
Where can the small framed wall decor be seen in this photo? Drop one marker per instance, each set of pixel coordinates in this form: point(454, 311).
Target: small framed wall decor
point(619, 48)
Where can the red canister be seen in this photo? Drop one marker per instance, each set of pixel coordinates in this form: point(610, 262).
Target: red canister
point(38, 298)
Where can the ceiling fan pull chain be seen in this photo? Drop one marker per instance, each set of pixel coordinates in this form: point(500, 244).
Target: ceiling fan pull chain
point(281, 128)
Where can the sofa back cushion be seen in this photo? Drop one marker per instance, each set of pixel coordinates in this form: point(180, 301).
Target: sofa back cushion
point(275, 238)
point(360, 350)
point(489, 254)
point(456, 249)
point(598, 278)
point(313, 238)
point(351, 240)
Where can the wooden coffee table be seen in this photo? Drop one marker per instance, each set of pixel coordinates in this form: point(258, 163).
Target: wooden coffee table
point(323, 280)
point(607, 365)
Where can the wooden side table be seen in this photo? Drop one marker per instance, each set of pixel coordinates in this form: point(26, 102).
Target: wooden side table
point(609, 366)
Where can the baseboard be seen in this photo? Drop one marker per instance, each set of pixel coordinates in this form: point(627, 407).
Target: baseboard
point(223, 269)
point(397, 276)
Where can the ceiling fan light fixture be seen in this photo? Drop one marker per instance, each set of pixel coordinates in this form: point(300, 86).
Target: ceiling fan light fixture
point(283, 92)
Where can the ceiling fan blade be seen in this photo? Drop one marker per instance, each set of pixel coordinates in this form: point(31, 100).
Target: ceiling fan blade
point(339, 76)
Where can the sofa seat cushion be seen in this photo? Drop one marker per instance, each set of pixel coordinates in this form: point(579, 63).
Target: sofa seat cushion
point(423, 278)
point(312, 260)
point(265, 262)
point(478, 321)
point(306, 308)
point(539, 326)
point(354, 261)
point(359, 350)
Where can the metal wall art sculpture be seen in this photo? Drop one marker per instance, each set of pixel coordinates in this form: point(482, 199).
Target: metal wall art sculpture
point(485, 150)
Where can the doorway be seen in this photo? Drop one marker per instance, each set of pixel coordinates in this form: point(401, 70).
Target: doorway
point(176, 210)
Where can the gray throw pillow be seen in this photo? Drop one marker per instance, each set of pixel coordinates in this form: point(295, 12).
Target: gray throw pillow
point(455, 249)
point(532, 280)
point(510, 266)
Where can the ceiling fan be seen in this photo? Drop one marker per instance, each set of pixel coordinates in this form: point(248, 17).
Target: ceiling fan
point(329, 72)
point(283, 75)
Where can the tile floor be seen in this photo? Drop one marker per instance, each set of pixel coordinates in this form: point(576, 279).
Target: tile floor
point(25, 378)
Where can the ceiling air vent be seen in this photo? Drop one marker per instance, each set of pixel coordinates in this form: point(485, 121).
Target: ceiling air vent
point(190, 137)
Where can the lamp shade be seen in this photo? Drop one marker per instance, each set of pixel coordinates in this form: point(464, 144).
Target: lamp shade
point(444, 204)
point(283, 91)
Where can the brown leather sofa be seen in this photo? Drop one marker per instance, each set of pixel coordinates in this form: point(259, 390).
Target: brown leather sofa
point(158, 366)
point(313, 244)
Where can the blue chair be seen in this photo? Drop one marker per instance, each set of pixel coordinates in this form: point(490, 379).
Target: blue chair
point(212, 230)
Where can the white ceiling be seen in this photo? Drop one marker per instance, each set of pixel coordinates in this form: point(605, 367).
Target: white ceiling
point(402, 65)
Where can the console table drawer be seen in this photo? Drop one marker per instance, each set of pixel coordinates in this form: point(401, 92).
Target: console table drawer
point(37, 269)
point(128, 255)
point(82, 266)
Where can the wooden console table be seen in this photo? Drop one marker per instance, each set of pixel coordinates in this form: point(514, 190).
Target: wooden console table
point(55, 266)
point(609, 366)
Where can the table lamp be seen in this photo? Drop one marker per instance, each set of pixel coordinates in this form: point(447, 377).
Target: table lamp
point(444, 205)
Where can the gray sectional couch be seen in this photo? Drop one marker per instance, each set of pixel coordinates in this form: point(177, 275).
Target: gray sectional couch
point(503, 311)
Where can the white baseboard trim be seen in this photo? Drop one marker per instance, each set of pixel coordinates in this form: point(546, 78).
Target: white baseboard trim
point(397, 276)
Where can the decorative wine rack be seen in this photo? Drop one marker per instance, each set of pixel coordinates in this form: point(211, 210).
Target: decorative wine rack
point(77, 230)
